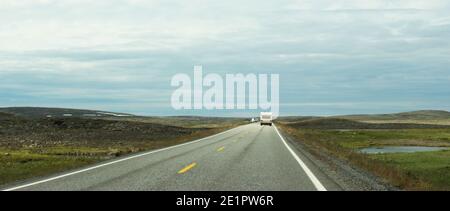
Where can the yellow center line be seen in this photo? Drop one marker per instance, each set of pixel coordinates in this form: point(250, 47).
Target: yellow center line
point(187, 168)
point(220, 149)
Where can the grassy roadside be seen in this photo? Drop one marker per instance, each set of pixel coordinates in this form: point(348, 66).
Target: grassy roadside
point(20, 162)
point(409, 171)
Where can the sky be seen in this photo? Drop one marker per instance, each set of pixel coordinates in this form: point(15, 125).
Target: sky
point(333, 57)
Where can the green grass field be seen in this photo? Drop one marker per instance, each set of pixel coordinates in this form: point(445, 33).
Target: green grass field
point(22, 164)
point(430, 169)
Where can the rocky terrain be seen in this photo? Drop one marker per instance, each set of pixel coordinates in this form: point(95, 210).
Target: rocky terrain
point(18, 132)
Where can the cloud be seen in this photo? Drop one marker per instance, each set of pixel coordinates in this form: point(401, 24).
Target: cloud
point(325, 51)
point(368, 4)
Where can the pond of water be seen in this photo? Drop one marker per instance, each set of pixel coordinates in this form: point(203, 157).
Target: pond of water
point(400, 149)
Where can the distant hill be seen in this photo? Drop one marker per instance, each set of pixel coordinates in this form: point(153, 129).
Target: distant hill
point(405, 116)
point(38, 112)
point(414, 115)
point(414, 119)
point(425, 114)
point(336, 123)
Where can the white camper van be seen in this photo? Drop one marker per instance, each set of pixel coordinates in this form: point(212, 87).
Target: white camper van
point(266, 118)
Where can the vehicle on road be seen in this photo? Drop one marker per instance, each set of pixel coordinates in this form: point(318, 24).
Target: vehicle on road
point(266, 118)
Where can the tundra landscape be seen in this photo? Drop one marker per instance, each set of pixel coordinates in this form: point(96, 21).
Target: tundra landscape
point(343, 138)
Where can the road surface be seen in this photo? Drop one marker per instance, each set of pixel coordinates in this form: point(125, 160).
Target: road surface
point(246, 158)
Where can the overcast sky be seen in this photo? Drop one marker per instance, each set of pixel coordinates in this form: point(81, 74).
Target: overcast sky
point(333, 57)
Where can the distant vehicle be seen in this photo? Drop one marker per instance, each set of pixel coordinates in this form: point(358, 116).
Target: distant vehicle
point(266, 118)
point(253, 120)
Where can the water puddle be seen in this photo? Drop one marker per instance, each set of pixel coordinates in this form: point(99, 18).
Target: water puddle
point(400, 149)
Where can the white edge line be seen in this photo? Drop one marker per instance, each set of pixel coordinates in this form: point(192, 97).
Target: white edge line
point(116, 161)
point(308, 172)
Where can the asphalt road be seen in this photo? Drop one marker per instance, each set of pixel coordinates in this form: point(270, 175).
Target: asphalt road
point(247, 158)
